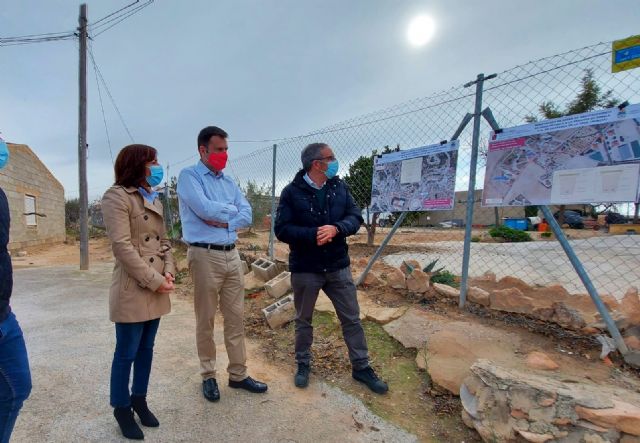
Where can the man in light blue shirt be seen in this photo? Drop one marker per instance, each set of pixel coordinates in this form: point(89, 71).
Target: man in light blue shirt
point(212, 208)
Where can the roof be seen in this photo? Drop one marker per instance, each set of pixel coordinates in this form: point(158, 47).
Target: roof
point(15, 148)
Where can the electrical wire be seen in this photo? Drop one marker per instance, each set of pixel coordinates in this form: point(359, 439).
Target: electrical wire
point(104, 27)
point(104, 119)
point(113, 13)
point(106, 87)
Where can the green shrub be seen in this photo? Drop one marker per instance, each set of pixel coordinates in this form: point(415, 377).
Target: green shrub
point(445, 278)
point(475, 239)
point(509, 234)
point(546, 234)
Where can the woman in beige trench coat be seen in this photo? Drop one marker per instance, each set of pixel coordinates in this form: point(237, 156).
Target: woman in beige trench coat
point(142, 280)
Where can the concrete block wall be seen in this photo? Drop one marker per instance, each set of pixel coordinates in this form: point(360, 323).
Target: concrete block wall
point(24, 175)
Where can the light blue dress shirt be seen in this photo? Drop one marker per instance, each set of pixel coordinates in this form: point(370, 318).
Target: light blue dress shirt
point(204, 195)
point(149, 196)
point(311, 182)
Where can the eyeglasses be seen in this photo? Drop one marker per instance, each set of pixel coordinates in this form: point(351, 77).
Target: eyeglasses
point(322, 159)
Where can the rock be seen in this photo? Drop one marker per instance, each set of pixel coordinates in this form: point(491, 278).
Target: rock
point(21, 254)
point(478, 295)
point(361, 262)
point(567, 317)
point(396, 279)
point(622, 416)
point(382, 315)
point(511, 300)
point(513, 282)
point(511, 402)
point(418, 281)
point(536, 438)
point(372, 280)
point(486, 277)
point(632, 342)
point(452, 350)
point(626, 438)
point(408, 266)
point(446, 290)
point(540, 360)
point(630, 305)
point(413, 328)
point(549, 294)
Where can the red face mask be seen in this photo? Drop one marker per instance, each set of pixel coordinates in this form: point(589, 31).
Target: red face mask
point(218, 160)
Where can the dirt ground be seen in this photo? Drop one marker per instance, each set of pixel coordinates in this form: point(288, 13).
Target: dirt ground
point(413, 403)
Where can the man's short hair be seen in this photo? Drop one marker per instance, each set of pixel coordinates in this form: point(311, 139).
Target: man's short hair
point(311, 153)
point(210, 131)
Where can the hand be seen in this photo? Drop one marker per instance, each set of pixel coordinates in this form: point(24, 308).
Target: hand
point(170, 278)
point(325, 234)
point(165, 287)
point(216, 224)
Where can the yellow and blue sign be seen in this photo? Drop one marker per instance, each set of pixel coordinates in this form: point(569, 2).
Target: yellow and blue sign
point(625, 54)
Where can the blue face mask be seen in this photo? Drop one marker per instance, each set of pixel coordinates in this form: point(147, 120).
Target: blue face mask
point(156, 175)
point(332, 169)
point(4, 153)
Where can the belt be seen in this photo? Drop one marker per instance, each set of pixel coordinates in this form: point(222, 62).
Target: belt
point(215, 247)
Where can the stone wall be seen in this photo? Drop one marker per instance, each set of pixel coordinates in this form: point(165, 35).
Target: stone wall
point(25, 174)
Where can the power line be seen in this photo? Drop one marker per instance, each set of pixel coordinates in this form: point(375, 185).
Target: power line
point(104, 119)
point(15, 41)
point(104, 27)
point(113, 13)
point(113, 102)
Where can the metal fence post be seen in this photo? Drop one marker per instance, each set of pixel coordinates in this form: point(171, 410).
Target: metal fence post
point(582, 273)
point(272, 219)
point(479, 82)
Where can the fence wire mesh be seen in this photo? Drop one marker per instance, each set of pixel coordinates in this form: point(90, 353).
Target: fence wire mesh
point(554, 83)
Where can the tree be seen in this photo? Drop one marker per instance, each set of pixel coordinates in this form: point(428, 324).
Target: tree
point(359, 179)
point(259, 197)
point(589, 98)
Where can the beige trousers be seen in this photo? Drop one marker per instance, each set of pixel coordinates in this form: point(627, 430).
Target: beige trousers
point(218, 280)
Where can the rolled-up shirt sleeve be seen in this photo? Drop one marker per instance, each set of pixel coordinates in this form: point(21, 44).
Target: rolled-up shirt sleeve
point(191, 193)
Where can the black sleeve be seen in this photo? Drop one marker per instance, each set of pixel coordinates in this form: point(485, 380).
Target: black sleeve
point(350, 223)
point(6, 272)
point(285, 229)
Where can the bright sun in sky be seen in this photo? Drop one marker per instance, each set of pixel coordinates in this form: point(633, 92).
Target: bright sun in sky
point(421, 29)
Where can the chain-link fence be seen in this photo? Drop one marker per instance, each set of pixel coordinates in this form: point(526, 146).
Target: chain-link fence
point(575, 81)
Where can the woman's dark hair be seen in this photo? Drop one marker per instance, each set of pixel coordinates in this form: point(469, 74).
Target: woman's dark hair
point(130, 164)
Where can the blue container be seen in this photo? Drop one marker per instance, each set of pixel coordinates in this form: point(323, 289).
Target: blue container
point(516, 223)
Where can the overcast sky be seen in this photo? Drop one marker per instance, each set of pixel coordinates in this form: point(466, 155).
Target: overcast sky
point(261, 69)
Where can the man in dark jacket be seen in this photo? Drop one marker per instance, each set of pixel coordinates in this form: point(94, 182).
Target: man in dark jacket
point(315, 216)
point(15, 377)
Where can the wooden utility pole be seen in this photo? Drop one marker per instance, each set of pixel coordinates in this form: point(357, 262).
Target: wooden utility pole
point(82, 141)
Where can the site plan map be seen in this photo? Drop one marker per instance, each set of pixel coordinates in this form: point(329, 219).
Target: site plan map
point(418, 179)
point(584, 158)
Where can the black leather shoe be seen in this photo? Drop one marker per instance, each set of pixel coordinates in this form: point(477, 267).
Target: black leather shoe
point(210, 389)
point(369, 378)
point(249, 384)
point(301, 379)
